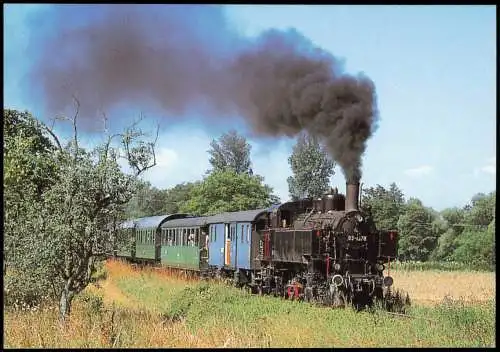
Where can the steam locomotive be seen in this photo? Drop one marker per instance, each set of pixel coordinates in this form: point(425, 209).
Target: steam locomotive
point(325, 250)
point(319, 250)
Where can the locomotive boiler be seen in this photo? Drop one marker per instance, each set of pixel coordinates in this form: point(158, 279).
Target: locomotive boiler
point(325, 250)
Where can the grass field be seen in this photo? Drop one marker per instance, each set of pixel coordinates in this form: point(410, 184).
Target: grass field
point(150, 308)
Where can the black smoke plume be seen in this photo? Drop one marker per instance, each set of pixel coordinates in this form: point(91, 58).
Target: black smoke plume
point(176, 57)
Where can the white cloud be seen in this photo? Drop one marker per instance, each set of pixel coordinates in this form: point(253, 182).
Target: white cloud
point(419, 171)
point(490, 167)
point(181, 156)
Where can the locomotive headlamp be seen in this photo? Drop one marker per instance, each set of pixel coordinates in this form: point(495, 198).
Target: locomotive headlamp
point(388, 281)
point(359, 217)
point(337, 267)
point(380, 267)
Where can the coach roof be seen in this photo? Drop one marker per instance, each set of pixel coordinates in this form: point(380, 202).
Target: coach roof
point(236, 216)
point(151, 221)
point(185, 222)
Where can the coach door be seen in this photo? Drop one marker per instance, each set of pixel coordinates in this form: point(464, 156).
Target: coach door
point(230, 248)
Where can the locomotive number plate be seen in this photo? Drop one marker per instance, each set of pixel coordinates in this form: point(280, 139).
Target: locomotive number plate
point(356, 238)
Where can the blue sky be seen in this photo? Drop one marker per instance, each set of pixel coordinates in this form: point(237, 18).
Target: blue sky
point(434, 70)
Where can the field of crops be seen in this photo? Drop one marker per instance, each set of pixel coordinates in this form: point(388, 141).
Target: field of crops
point(151, 308)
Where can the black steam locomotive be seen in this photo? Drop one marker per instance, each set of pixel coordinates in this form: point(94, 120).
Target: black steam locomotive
point(325, 250)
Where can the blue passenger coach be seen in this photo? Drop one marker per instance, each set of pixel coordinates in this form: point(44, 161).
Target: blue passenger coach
point(230, 239)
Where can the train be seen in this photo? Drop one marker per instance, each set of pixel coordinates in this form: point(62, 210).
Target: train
point(318, 250)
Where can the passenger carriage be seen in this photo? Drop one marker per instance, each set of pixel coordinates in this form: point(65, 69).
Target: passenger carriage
point(233, 241)
point(184, 243)
point(139, 239)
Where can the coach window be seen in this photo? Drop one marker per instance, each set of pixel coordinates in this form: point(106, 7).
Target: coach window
point(248, 233)
point(197, 236)
point(242, 233)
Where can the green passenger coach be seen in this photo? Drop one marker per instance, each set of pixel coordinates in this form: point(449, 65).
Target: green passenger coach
point(139, 239)
point(184, 243)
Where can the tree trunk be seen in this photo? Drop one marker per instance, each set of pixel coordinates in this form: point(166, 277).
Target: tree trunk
point(65, 304)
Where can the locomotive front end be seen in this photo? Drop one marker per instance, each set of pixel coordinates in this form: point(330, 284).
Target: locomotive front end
point(356, 253)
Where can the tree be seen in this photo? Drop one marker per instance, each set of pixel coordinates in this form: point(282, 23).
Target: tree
point(466, 238)
point(385, 205)
point(146, 201)
point(311, 168)
point(227, 190)
point(174, 197)
point(71, 226)
point(30, 168)
point(418, 239)
point(453, 226)
point(482, 210)
point(230, 151)
point(27, 153)
point(476, 248)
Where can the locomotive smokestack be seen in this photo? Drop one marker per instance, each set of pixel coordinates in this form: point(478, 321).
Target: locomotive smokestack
point(352, 196)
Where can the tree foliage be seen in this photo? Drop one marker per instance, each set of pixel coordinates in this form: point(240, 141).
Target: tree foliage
point(470, 237)
point(146, 201)
point(176, 196)
point(56, 241)
point(30, 168)
point(311, 167)
point(418, 238)
point(151, 201)
point(385, 205)
point(230, 151)
point(228, 190)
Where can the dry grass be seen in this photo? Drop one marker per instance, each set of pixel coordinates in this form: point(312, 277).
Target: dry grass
point(431, 287)
point(133, 308)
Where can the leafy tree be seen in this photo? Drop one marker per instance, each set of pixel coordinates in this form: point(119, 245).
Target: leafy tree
point(71, 226)
point(230, 151)
point(474, 243)
point(476, 248)
point(173, 198)
point(146, 201)
point(311, 168)
point(27, 153)
point(30, 168)
point(455, 219)
point(227, 190)
point(385, 205)
point(482, 210)
point(418, 239)
point(454, 224)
